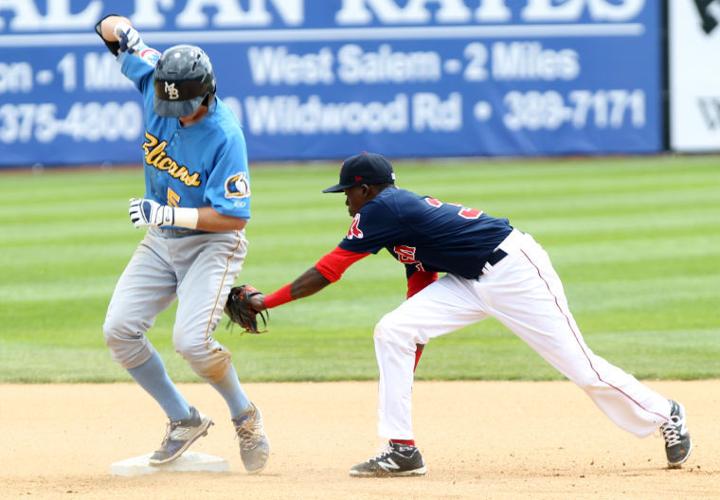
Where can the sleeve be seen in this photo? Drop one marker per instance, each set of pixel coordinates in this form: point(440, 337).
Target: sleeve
point(417, 280)
point(138, 67)
point(228, 186)
point(334, 264)
point(373, 228)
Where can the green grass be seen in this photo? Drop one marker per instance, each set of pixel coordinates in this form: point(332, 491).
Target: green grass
point(636, 241)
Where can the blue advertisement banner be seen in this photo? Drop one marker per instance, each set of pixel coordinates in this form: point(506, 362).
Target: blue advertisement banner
point(312, 79)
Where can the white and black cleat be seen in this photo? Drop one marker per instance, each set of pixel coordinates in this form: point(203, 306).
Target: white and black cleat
point(677, 438)
point(396, 460)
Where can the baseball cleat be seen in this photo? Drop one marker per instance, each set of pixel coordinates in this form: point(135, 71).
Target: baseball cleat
point(677, 438)
point(395, 460)
point(179, 435)
point(254, 444)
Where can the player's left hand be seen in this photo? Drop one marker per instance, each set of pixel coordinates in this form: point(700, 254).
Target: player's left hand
point(146, 213)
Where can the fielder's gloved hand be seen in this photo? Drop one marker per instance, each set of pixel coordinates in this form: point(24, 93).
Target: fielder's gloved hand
point(239, 308)
point(145, 213)
point(128, 37)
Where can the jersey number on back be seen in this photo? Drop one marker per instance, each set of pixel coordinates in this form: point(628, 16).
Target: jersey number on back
point(464, 212)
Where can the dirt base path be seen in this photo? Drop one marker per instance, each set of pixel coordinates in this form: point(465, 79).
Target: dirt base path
point(480, 440)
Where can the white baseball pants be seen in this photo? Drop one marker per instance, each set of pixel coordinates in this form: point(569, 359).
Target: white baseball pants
point(523, 292)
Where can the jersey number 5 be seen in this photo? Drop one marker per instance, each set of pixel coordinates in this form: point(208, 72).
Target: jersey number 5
point(464, 212)
point(173, 199)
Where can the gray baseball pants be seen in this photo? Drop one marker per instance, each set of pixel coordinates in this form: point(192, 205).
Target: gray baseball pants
point(199, 270)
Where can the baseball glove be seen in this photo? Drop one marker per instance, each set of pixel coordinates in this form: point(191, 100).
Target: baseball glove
point(240, 310)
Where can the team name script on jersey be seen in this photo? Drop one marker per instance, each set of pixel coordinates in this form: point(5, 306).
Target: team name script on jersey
point(406, 255)
point(156, 156)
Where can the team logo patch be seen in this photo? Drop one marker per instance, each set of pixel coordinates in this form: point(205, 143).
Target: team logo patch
point(149, 55)
point(237, 186)
point(172, 93)
point(354, 231)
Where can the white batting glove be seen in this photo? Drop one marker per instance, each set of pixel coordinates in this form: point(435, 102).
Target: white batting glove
point(146, 213)
point(128, 37)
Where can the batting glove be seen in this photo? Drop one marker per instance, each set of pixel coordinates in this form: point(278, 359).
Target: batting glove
point(146, 213)
point(128, 37)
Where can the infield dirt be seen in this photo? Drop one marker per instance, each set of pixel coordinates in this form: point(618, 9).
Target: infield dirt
point(480, 440)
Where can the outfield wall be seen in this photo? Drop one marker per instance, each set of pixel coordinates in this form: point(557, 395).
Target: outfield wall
point(324, 79)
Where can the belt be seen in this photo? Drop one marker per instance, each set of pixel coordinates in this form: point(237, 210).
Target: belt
point(178, 233)
point(493, 259)
point(509, 243)
point(496, 256)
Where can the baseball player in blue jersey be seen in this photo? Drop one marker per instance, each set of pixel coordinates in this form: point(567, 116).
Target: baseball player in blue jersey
point(491, 269)
point(195, 208)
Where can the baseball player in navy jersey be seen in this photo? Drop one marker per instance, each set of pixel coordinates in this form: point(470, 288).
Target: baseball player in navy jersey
point(195, 208)
point(491, 269)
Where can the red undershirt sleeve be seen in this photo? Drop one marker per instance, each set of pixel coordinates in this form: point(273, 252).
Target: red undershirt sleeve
point(333, 265)
point(278, 297)
point(419, 280)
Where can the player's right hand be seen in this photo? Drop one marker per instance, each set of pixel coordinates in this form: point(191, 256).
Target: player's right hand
point(128, 37)
point(146, 213)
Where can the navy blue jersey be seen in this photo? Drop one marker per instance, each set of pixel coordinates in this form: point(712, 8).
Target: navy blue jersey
point(426, 234)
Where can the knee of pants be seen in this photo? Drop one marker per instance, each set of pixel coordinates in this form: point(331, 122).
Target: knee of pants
point(389, 330)
point(207, 358)
point(587, 380)
point(127, 346)
point(189, 347)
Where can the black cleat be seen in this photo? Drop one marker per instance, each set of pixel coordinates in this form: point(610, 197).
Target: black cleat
point(179, 435)
point(677, 438)
point(395, 460)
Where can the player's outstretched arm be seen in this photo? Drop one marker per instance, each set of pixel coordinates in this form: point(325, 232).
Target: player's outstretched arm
point(308, 283)
point(328, 269)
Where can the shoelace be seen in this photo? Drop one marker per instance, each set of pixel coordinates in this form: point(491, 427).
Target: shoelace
point(383, 452)
point(671, 431)
point(168, 432)
point(249, 433)
point(175, 431)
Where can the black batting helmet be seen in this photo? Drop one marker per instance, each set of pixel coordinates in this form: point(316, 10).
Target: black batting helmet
point(184, 77)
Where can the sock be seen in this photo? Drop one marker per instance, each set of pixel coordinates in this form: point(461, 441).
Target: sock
point(406, 442)
point(152, 376)
point(418, 352)
point(230, 389)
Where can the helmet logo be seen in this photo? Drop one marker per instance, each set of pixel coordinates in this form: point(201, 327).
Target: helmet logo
point(171, 91)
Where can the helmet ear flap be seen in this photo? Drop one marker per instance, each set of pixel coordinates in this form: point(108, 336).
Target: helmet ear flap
point(207, 102)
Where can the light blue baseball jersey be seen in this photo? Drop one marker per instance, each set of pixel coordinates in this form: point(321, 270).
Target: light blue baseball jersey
point(204, 164)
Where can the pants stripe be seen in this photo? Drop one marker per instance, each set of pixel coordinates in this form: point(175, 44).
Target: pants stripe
point(220, 287)
point(577, 339)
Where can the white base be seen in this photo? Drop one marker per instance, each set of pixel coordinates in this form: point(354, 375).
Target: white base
point(189, 462)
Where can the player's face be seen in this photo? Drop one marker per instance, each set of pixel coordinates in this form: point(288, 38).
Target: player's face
point(195, 116)
point(355, 198)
